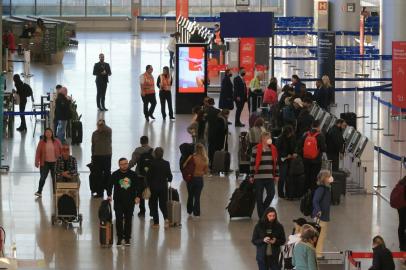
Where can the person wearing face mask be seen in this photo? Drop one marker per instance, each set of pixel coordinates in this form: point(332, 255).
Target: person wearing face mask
point(240, 96)
point(321, 206)
point(268, 237)
point(226, 92)
point(304, 254)
point(265, 171)
point(335, 143)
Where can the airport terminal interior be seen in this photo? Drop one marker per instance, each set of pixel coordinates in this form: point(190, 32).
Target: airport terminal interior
point(134, 34)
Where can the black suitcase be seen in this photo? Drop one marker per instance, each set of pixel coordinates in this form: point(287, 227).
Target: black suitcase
point(336, 192)
point(66, 206)
point(221, 161)
point(341, 177)
point(174, 194)
point(295, 186)
point(106, 234)
point(92, 178)
point(349, 117)
point(77, 132)
point(242, 202)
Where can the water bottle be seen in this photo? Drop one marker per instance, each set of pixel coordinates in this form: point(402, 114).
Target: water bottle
point(14, 250)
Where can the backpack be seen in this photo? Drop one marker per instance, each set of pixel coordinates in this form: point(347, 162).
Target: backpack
point(242, 201)
point(66, 206)
point(105, 213)
point(287, 255)
point(144, 162)
point(306, 203)
point(188, 168)
point(310, 147)
point(397, 197)
point(296, 167)
point(27, 90)
point(269, 96)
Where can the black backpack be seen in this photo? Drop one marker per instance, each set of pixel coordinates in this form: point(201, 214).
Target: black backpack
point(144, 162)
point(105, 213)
point(27, 90)
point(66, 206)
point(242, 202)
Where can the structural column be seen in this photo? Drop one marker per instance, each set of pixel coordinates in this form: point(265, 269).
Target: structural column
point(298, 8)
point(392, 22)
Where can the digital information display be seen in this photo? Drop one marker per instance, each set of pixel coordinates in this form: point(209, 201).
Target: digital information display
point(192, 68)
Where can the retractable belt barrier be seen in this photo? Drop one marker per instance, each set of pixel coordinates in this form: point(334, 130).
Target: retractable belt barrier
point(25, 113)
point(352, 256)
point(286, 80)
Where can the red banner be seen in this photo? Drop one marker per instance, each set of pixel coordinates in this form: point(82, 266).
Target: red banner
point(361, 34)
point(182, 8)
point(399, 74)
point(247, 57)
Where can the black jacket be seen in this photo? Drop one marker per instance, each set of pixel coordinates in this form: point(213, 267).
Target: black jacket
point(221, 133)
point(21, 92)
point(321, 96)
point(97, 71)
point(383, 259)
point(304, 123)
point(321, 143)
point(263, 229)
point(240, 89)
point(62, 108)
point(286, 146)
point(159, 174)
point(211, 114)
point(127, 186)
point(334, 140)
point(226, 94)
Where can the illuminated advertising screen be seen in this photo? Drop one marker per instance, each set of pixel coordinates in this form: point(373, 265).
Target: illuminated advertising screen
point(191, 69)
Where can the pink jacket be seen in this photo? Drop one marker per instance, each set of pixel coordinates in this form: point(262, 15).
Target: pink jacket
point(40, 153)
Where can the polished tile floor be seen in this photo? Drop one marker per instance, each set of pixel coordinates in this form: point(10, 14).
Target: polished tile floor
point(213, 242)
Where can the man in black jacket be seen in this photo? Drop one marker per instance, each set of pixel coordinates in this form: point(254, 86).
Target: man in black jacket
point(268, 237)
point(305, 119)
point(127, 193)
point(335, 143)
point(240, 96)
point(102, 72)
point(158, 177)
point(226, 92)
point(211, 114)
point(312, 165)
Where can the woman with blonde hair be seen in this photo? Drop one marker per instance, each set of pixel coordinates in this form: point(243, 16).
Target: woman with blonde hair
point(304, 254)
point(195, 186)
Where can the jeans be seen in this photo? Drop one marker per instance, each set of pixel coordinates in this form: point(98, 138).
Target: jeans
point(322, 238)
point(22, 117)
point(402, 229)
point(101, 94)
point(150, 98)
point(124, 216)
point(239, 107)
point(283, 175)
point(161, 196)
point(171, 62)
point(49, 167)
point(60, 130)
point(311, 169)
point(102, 171)
point(194, 189)
point(166, 96)
point(260, 186)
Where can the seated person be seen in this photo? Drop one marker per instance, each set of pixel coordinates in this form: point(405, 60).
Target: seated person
point(66, 166)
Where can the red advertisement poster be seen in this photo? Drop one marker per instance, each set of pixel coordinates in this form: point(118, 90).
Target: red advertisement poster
point(182, 8)
point(399, 73)
point(361, 34)
point(247, 57)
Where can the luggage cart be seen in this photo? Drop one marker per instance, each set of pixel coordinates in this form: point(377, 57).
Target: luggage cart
point(71, 189)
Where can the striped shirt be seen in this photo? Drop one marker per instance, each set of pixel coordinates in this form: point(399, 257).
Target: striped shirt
point(266, 167)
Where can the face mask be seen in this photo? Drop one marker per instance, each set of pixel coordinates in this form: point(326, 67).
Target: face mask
point(243, 74)
point(269, 141)
point(330, 180)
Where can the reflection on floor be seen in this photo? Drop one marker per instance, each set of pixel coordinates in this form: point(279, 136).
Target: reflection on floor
point(208, 243)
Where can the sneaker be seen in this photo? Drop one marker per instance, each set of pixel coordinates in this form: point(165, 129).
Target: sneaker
point(127, 242)
point(172, 118)
point(141, 214)
point(119, 242)
point(38, 194)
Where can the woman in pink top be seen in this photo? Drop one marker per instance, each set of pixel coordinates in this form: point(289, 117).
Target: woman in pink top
point(48, 151)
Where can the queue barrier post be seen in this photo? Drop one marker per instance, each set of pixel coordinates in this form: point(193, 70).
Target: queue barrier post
point(379, 115)
point(402, 164)
point(372, 109)
point(379, 169)
point(388, 120)
point(399, 127)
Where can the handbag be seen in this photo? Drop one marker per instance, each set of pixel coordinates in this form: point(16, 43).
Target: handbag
point(146, 194)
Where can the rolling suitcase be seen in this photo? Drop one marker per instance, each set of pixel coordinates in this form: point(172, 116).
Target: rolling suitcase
point(341, 177)
point(174, 209)
point(349, 117)
point(106, 225)
point(336, 192)
point(221, 160)
point(77, 132)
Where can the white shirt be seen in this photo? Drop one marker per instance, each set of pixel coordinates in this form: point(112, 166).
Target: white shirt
point(172, 44)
